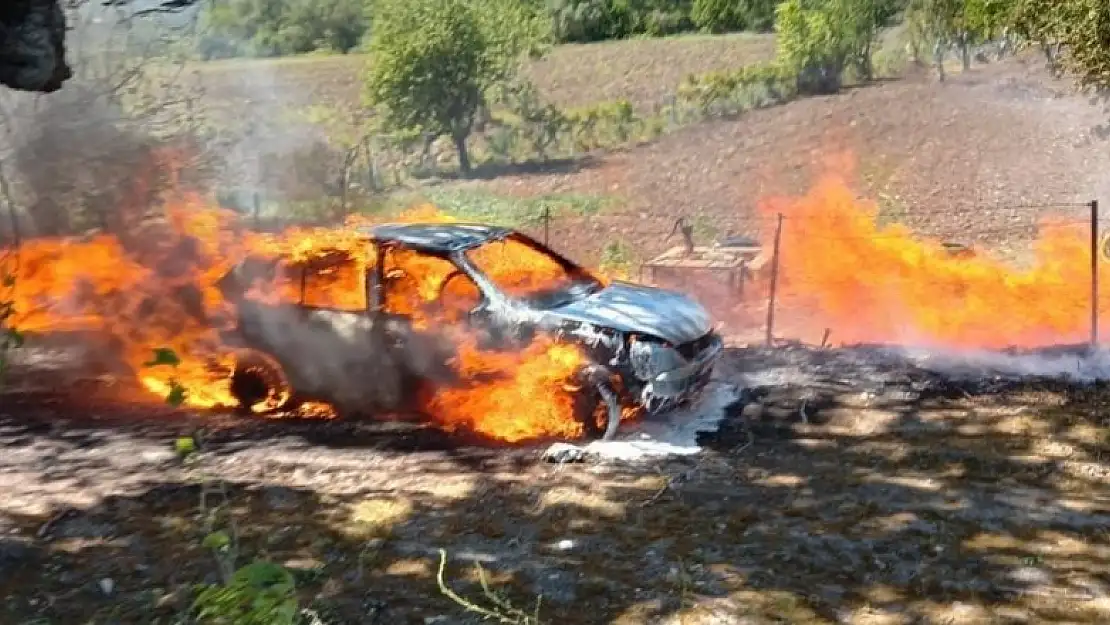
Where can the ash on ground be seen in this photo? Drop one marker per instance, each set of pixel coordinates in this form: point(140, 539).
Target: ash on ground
point(761, 389)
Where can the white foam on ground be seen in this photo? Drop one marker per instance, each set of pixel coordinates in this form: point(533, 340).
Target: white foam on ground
point(1081, 367)
point(671, 434)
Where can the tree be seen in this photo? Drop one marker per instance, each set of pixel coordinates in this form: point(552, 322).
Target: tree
point(282, 27)
point(1080, 29)
point(963, 22)
point(819, 40)
point(720, 16)
point(432, 62)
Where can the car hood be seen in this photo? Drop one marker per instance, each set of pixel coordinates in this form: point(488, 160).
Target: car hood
point(665, 314)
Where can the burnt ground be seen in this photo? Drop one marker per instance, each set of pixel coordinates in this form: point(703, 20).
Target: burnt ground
point(904, 496)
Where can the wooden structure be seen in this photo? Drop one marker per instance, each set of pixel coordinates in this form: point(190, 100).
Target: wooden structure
point(680, 265)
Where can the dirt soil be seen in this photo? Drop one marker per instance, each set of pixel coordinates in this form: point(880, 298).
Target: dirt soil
point(962, 160)
point(646, 72)
point(902, 497)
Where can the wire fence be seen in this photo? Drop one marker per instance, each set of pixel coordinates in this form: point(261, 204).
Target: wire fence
point(813, 272)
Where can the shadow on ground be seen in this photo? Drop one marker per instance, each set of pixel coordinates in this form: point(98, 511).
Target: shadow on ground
point(947, 504)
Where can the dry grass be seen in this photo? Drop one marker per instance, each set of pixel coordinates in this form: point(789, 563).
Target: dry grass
point(983, 509)
point(644, 71)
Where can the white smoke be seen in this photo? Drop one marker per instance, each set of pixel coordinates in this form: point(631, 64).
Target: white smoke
point(1078, 365)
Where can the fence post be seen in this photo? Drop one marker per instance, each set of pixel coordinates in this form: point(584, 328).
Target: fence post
point(256, 211)
point(774, 282)
point(546, 223)
point(1094, 273)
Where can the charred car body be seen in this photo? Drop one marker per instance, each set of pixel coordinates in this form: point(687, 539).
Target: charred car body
point(649, 348)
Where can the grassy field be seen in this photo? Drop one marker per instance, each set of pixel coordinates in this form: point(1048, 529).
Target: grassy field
point(644, 71)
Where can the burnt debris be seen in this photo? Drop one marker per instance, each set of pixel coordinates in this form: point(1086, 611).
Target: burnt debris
point(32, 45)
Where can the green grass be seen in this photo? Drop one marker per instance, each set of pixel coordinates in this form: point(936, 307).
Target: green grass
point(504, 210)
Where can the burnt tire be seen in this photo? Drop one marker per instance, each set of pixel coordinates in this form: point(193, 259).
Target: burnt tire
point(597, 404)
point(259, 383)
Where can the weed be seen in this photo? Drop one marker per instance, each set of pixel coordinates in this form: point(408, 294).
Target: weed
point(617, 258)
point(500, 608)
point(483, 206)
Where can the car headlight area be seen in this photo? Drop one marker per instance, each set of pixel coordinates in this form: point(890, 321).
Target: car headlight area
point(649, 358)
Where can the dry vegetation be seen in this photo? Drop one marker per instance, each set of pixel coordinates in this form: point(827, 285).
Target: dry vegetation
point(953, 504)
point(645, 72)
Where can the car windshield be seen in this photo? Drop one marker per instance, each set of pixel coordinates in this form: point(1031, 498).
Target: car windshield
point(523, 271)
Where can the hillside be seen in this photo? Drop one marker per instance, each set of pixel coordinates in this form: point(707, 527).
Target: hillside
point(949, 159)
point(644, 71)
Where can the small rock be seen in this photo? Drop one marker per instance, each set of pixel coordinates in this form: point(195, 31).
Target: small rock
point(176, 599)
point(752, 412)
point(157, 456)
point(280, 498)
point(564, 452)
point(428, 620)
point(107, 585)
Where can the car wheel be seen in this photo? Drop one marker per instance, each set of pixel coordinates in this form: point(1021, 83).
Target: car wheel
point(259, 383)
point(597, 404)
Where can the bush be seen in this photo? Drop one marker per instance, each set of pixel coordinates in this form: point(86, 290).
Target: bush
point(719, 16)
point(731, 92)
point(584, 21)
point(601, 125)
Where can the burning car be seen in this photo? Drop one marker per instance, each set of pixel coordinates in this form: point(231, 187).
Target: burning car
point(398, 304)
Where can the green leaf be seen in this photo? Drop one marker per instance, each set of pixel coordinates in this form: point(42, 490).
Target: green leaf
point(184, 445)
point(217, 541)
point(163, 356)
point(176, 396)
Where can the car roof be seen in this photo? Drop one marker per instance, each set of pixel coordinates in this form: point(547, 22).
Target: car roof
point(437, 237)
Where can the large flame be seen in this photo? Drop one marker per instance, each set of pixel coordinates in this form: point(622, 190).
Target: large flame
point(156, 288)
point(866, 283)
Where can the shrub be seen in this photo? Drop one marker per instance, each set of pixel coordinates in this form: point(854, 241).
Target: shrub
point(719, 16)
point(731, 92)
point(601, 125)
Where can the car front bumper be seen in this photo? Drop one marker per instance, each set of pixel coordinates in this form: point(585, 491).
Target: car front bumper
point(683, 383)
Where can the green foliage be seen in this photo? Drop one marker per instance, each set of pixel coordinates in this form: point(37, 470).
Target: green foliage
point(260, 593)
point(281, 27)
point(1082, 27)
point(969, 21)
point(433, 61)
point(719, 16)
point(166, 357)
point(598, 20)
point(819, 40)
point(184, 446)
point(731, 92)
point(601, 125)
point(617, 257)
point(536, 123)
point(511, 211)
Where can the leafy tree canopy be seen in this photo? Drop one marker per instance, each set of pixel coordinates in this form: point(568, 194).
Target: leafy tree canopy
point(434, 61)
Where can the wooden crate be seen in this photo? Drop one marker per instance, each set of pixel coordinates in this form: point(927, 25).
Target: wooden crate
point(731, 265)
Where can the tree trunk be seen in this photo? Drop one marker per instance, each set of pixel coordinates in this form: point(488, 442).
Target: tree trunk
point(867, 69)
point(938, 59)
point(965, 50)
point(464, 155)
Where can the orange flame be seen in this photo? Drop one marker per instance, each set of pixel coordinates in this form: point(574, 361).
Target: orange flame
point(867, 283)
point(157, 289)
